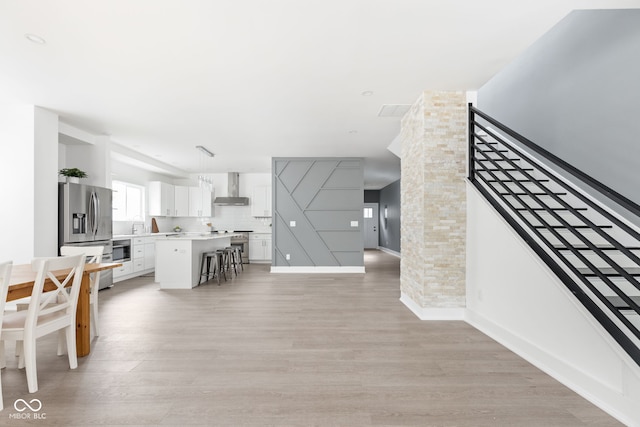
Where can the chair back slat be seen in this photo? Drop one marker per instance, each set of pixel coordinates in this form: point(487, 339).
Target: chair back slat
point(93, 254)
point(5, 275)
point(60, 299)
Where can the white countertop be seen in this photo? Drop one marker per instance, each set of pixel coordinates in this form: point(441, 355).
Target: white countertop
point(130, 236)
point(199, 236)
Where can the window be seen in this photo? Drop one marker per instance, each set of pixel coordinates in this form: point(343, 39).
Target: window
point(128, 201)
point(368, 212)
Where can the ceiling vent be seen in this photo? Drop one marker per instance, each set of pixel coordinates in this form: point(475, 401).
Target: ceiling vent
point(394, 110)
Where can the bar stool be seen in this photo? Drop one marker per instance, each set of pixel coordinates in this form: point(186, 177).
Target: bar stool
point(238, 253)
point(230, 259)
point(207, 258)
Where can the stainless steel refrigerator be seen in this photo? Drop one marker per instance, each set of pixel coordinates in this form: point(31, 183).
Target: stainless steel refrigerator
point(84, 219)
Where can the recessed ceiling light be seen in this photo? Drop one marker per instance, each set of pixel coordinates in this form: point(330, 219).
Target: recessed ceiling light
point(367, 93)
point(35, 39)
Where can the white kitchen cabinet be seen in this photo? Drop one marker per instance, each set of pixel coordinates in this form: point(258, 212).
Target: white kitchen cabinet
point(142, 259)
point(138, 254)
point(150, 253)
point(120, 273)
point(161, 199)
point(261, 201)
point(200, 202)
point(260, 247)
point(181, 201)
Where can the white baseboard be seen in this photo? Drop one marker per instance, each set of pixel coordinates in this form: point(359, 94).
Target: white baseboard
point(425, 313)
point(602, 395)
point(389, 251)
point(319, 269)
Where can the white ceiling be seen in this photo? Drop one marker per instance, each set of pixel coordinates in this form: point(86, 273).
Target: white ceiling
point(255, 79)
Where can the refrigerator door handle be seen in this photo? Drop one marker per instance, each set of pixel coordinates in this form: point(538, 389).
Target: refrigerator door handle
point(96, 213)
point(93, 214)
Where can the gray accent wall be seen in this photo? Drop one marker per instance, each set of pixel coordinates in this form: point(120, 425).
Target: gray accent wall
point(390, 229)
point(322, 195)
point(575, 92)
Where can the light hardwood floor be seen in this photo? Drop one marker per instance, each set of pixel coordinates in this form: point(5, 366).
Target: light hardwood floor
point(289, 350)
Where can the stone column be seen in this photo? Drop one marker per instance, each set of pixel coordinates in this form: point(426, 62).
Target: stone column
point(433, 198)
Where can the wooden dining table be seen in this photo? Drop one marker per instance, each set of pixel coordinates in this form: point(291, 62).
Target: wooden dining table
point(21, 284)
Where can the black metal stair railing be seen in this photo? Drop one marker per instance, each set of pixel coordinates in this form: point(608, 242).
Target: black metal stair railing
point(592, 251)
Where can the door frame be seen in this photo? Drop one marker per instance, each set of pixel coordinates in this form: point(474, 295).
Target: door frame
point(376, 225)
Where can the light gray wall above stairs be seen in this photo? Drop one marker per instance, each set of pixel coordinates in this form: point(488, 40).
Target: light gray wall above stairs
point(575, 93)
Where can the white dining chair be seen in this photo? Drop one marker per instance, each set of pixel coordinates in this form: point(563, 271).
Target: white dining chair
point(5, 275)
point(48, 312)
point(93, 254)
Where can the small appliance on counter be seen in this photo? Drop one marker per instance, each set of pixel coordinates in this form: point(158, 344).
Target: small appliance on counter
point(84, 219)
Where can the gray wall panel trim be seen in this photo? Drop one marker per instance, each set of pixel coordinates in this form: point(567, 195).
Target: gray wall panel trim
point(298, 185)
point(316, 250)
point(341, 240)
point(294, 174)
point(286, 238)
point(346, 199)
point(308, 185)
point(348, 258)
point(332, 220)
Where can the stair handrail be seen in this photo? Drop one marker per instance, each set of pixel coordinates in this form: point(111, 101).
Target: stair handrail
point(475, 165)
point(610, 193)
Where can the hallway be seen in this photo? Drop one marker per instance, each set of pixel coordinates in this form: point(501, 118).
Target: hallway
point(290, 349)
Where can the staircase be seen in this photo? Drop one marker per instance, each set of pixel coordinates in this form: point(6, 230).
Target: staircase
point(593, 251)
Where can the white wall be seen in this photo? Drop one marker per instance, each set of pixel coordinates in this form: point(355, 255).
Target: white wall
point(513, 297)
point(28, 176)
point(46, 183)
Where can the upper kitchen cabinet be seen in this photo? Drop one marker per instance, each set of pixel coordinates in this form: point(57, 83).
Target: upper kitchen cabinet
point(161, 199)
point(261, 201)
point(181, 201)
point(200, 202)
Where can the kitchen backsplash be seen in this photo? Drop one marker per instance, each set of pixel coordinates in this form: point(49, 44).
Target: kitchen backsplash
point(225, 218)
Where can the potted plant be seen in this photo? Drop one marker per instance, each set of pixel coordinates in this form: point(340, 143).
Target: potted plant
point(73, 174)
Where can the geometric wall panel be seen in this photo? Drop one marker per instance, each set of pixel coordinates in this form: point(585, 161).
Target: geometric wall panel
point(322, 197)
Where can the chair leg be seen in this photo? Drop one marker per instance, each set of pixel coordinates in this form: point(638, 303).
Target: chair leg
point(70, 333)
point(94, 318)
point(20, 354)
point(3, 360)
point(61, 341)
point(1, 398)
point(29, 355)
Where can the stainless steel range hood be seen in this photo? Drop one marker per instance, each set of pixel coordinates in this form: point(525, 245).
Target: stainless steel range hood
point(233, 196)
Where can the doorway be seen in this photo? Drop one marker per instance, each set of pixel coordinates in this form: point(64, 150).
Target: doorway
point(371, 223)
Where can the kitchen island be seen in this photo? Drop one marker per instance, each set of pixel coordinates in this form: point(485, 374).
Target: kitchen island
point(178, 257)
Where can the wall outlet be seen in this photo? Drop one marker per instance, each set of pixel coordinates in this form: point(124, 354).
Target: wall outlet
point(292, 223)
point(287, 257)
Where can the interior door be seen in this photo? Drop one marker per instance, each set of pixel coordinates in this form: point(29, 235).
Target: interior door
point(370, 214)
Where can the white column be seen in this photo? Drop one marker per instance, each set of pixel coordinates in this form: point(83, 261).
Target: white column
point(29, 182)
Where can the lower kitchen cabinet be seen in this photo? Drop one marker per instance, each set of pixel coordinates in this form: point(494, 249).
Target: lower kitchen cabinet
point(260, 247)
point(142, 259)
